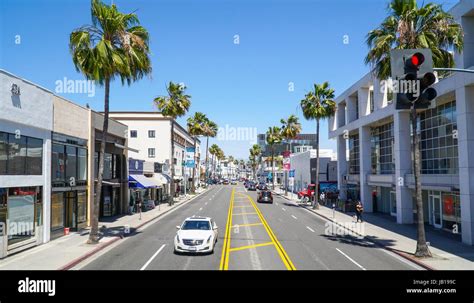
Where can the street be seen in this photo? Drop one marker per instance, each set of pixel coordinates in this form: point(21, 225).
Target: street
point(252, 236)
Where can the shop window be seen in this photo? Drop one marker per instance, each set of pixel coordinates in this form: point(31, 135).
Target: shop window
point(21, 213)
point(57, 211)
point(34, 156)
point(58, 162)
point(108, 166)
point(16, 163)
point(3, 208)
point(81, 207)
point(3, 153)
point(71, 163)
point(82, 164)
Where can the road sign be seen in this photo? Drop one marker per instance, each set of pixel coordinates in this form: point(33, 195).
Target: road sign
point(291, 174)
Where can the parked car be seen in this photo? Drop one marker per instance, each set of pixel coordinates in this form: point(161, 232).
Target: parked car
point(196, 235)
point(265, 196)
point(307, 193)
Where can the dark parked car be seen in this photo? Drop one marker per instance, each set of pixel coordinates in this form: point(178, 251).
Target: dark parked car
point(265, 196)
point(252, 186)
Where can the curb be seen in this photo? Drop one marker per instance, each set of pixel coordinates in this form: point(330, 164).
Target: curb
point(379, 244)
point(82, 258)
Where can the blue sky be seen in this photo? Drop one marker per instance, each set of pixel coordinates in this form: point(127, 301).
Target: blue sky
point(239, 85)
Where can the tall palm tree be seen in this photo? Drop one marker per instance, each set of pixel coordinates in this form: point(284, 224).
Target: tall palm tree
point(290, 129)
point(213, 150)
point(273, 137)
point(220, 158)
point(175, 104)
point(195, 126)
point(410, 27)
point(255, 153)
point(209, 130)
point(115, 45)
point(318, 105)
point(230, 160)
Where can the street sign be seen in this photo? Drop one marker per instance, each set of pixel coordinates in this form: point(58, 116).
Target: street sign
point(190, 149)
point(291, 174)
point(190, 163)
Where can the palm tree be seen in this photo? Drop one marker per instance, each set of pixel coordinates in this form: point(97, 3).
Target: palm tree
point(213, 150)
point(220, 158)
point(318, 105)
point(115, 45)
point(290, 129)
point(230, 160)
point(273, 137)
point(175, 105)
point(410, 27)
point(255, 153)
point(209, 130)
point(195, 126)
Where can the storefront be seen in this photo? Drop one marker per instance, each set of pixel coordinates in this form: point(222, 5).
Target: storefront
point(69, 184)
point(444, 210)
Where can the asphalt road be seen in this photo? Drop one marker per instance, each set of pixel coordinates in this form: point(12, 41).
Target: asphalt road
point(279, 236)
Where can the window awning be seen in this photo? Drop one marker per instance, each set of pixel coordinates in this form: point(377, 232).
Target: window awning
point(162, 178)
point(141, 181)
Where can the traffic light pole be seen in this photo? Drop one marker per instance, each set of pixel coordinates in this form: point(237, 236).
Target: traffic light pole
point(461, 70)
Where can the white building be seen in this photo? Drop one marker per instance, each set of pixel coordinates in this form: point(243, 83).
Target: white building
point(378, 169)
point(26, 123)
point(304, 166)
point(149, 134)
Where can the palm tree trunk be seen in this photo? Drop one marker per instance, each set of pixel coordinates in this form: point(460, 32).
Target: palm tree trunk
point(172, 186)
point(207, 156)
point(273, 168)
point(422, 249)
point(316, 188)
point(193, 186)
point(94, 233)
point(286, 177)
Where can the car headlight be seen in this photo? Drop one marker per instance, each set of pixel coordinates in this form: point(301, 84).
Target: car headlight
point(177, 238)
point(209, 239)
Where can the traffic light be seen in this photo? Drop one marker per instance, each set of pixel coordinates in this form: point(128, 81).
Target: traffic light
point(412, 69)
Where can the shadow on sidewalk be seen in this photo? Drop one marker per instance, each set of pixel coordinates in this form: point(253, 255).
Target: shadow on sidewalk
point(116, 231)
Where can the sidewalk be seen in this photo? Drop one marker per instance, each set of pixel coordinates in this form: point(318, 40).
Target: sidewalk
point(67, 251)
point(449, 253)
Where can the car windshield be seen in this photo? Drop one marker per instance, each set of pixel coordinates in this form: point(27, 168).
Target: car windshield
point(195, 224)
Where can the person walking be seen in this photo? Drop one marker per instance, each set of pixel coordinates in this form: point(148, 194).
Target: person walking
point(359, 210)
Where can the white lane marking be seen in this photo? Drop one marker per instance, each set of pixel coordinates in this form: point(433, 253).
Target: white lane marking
point(312, 230)
point(153, 257)
point(350, 259)
point(200, 209)
point(276, 203)
point(283, 209)
point(294, 217)
point(210, 199)
point(403, 260)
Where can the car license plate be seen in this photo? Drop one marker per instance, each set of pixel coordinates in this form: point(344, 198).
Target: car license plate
point(192, 248)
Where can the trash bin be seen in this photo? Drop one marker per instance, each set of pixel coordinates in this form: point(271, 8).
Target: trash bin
point(66, 231)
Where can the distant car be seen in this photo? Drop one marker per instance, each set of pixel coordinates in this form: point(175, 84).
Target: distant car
point(265, 196)
point(225, 182)
point(262, 186)
point(252, 186)
point(196, 235)
point(233, 182)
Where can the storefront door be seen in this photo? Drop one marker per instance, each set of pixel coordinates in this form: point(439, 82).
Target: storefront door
point(393, 203)
point(71, 210)
point(435, 210)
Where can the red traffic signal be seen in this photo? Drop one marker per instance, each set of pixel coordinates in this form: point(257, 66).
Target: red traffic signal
point(415, 61)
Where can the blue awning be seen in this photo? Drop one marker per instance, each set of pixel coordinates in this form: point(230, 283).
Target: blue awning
point(141, 181)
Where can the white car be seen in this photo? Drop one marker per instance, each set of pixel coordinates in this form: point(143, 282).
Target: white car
point(197, 235)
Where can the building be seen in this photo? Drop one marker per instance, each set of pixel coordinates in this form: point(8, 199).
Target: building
point(302, 143)
point(26, 123)
point(149, 134)
point(376, 137)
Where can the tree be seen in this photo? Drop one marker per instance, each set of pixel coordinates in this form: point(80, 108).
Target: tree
point(273, 137)
point(115, 45)
point(214, 150)
point(210, 130)
point(290, 129)
point(255, 153)
point(318, 105)
point(410, 27)
point(195, 126)
point(175, 105)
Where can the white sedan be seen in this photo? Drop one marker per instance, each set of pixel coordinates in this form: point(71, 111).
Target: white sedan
point(196, 235)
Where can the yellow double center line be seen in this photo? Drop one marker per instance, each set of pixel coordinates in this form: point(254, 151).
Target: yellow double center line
point(226, 249)
point(224, 265)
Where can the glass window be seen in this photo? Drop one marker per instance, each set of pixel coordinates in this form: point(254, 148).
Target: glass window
point(57, 211)
point(71, 162)
point(151, 153)
point(16, 164)
point(354, 166)
point(116, 166)
point(21, 213)
point(82, 164)
point(34, 156)
point(96, 165)
point(81, 207)
point(108, 166)
point(3, 153)
point(3, 207)
point(151, 134)
point(58, 166)
point(133, 134)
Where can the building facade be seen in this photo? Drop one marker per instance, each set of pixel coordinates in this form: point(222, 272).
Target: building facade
point(374, 146)
point(302, 143)
point(26, 123)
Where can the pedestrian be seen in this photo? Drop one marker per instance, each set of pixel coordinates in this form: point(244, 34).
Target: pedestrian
point(139, 204)
point(131, 205)
point(359, 211)
point(322, 196)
